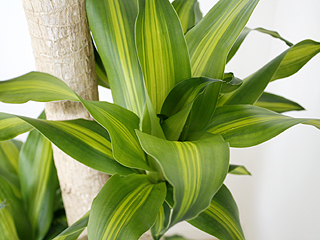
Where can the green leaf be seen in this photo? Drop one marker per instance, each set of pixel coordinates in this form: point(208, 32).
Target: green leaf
point(9, 156)
point(173, 126)
point(284, 65)
point(73, 232)
point(211, 39)
point(7, 226)
point(11, 126)
point(277, 103)
point(39, 182)
point(183, 94)
point(162, 222)
point(189, 13)
point(247, 125)
point(200, 168)
point(112, 24)
point(245, 33)
point(230, 83)
point(221, 219)
point(35, 86)
point(101, 72)
point(120, 124)
point(13, 206)
point(296, 58)
point(125, 208)
point(84, 140)
point(150, 123)
point(238, 170)
point(162, 49)
point(175, 237)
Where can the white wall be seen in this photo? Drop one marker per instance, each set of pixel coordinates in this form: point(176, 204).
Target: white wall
point(281, 201)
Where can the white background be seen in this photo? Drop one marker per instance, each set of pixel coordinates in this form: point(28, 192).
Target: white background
point(281, 200)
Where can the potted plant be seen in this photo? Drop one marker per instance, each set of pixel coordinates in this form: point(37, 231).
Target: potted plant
point(165, 140)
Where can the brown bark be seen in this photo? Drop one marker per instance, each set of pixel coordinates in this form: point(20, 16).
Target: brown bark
point(62, 47)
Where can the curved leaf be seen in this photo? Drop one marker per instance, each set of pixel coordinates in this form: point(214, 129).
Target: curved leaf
point(35, 86)
point(120, 124)
point(189, 13)
point(38, 181)
point(238, 170)
point(211, 39)
point(73, 232)
point(11, 126)
point(9, 156)
point(112, 24)
point(162, 49)
point(200, 168)
point(162, 222)
point(244, 34)
point(284, 65)
point(277, 103)
point(247, 125)
point(183, 94)
point(221, 219)
point(125, 208)
point(84, 140)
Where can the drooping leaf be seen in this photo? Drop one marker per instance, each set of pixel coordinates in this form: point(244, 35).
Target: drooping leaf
point(125, 208)
point(120, 124)
point(189, 13)
point(221, 219)
point(284, 65)
point(201, 167)
point(162, 49)
point(38, 181)
point(35, 86)
point(238, 170)
point(277, 103)
point(112, 24)
point(11, 126)
point(13, 206)
point(247, 125)
point(84, 140)
point(73, 232)
point(211, 39)
point(230, 83)
point(245, 33)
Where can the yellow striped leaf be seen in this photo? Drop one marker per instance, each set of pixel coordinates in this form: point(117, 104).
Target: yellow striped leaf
point(73, 232)
point(162, 49)
point(9, 155)
point(35, 86)
point(189, 13)
point(277, 103)
point(11, 126)
point(162, 222)
point(84, 140)
point(125, 208)
point(7, 227)
point(112, 23)
point(238, 170)
point(211, 39)
point(284, 65)
point(39, 182)
point(200, 169)
point(120, 124)
point(13, 205)
point(247, 125)
point(221, 219)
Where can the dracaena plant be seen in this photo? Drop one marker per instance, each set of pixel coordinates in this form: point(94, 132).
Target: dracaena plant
point(165, 140)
